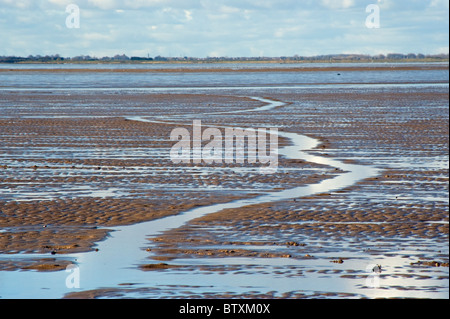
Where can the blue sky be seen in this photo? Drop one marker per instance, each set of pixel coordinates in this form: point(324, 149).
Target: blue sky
point(222, 27)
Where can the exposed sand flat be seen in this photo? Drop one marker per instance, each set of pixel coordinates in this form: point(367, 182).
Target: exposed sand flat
point(386, 131)
point(74, 171)
point(408, 201)
point(74, 166)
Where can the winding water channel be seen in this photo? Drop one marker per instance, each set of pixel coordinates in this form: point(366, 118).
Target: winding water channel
point(119, 254)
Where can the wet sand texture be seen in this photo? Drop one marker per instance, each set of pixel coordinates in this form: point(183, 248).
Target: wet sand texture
point(403, 212)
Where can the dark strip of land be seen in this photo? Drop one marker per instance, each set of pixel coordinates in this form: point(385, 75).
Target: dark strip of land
point(222, 70)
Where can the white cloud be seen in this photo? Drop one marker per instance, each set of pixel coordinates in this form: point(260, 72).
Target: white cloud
point(188, 15)
point(104, 4)
point(338, 4)
point(221, 27)
point(287, 31)
point(61, 2)
point(442, 50)
point(136, 4)
point(440, 4)
point(21, 4)
point(95, 36)
point(228, 9)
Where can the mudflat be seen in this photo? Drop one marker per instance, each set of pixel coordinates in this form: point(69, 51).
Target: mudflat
point(75, 165)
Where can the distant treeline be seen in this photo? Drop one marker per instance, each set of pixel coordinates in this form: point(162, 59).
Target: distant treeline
point(56, 58)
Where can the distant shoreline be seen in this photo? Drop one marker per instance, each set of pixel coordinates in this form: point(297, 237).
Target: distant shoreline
point(131, 62)
point(187, 69)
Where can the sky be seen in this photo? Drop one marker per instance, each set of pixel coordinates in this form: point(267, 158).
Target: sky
point(225, 28)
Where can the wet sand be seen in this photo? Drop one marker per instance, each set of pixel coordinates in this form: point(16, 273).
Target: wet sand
point(78, 174)
point(374, 217)
point(66, 179)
